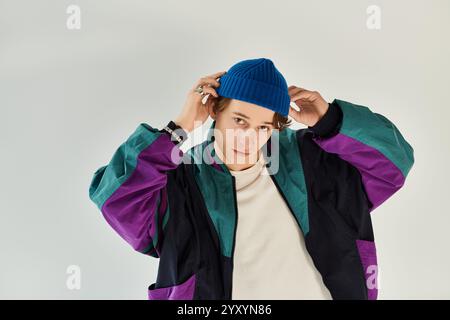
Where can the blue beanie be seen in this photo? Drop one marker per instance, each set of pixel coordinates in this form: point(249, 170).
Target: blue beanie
point(256, 81)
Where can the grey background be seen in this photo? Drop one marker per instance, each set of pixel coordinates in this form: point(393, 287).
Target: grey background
point(69, 98)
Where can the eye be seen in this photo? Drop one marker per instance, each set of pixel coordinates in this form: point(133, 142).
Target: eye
point(239, 121)
point(265, 128)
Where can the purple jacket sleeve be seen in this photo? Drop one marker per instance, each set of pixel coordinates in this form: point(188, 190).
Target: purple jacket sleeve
point(131, 190)
point(371, 143)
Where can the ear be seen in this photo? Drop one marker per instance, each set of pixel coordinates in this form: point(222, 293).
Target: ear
point(209, 106)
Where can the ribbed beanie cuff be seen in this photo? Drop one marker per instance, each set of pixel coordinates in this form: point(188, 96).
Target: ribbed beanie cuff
point(256, 81)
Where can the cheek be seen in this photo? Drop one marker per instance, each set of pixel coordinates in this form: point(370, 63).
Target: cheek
point(263, 139)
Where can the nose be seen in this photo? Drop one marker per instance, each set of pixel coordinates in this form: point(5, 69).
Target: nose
point(246, 142)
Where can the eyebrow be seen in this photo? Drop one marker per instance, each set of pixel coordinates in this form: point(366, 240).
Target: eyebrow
point(246, 117)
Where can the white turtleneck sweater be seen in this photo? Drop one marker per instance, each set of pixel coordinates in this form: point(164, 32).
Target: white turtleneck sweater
point(270, 258)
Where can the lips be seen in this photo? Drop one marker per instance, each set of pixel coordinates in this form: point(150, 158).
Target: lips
point(238, 152)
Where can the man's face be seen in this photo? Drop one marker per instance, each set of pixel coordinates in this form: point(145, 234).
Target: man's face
point(242, 130)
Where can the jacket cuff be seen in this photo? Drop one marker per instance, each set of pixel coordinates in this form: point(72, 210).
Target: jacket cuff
point(330, 122)
point(177, 134)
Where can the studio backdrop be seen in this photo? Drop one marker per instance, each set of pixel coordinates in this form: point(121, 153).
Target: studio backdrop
point(77, 77)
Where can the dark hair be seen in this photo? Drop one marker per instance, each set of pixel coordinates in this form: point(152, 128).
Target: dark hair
point(279, 121)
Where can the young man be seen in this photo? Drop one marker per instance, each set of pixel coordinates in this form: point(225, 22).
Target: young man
point(257, 210)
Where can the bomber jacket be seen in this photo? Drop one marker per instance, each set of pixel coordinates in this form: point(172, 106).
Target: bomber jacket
point(181, 207)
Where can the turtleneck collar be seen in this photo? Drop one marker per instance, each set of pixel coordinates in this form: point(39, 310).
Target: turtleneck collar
point(247, 176)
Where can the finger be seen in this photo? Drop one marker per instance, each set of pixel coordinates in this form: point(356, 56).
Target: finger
point(295, 89)
point(294, 113)
point(207, 81)
point(210, 90)
point(301, 102)
point(217, 74)
point(291, 89)
point(303, 95)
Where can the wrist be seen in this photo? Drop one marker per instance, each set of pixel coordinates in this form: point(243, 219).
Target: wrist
point(330, 122)
point(322, 110)
point(184, 125)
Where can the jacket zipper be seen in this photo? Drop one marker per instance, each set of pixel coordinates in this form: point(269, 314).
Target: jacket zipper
point(234, 236)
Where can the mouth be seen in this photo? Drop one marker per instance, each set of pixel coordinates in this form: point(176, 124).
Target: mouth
point(241, 153)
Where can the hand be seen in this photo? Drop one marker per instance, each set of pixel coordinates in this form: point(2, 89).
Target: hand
point(195, 112)
point(312, 106)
